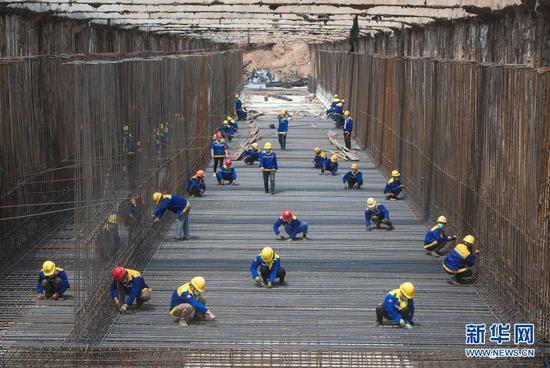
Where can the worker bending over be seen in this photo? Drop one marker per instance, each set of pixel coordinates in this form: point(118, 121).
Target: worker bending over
point(334, 102)
point(394, 186)
point(233, 123)
point(196, 185)
point(128, 286)
point(240, 110)
point(378, 214)
point(52, 282)
point(226, 173)
point(282, 129)
point(178, 205)
point(398, 306)
point(252, 154)
point(188, 302)
point(218, 151)
point(292, 226)
point(330, 166)
point(227, 130)
point(268, 166)
point(354, 178)
point(459, 261)
point(347, 129)
point(338, 114)
point(436, 239)
point(270, 268)
point(320, 157)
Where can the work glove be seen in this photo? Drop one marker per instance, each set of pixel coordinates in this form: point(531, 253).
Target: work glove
point(402, 322)
point(117, 302)
point(408, 326)
point(124, 307)
point(55, 296)
point(40, 296)
point(258, 280)
point(269, 285)
point(281, 236)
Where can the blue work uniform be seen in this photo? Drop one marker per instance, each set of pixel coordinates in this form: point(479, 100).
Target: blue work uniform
point(196, 185)
point(283, 125)
point(174, 203)
point(132, 286)
point(337, 113)
point(292, 227)
point(240, 110)
point(330, 166)
point(353, 177)
point(319, 159)
point(273, 266)
point(219, 147)
point(435, 236)
point(393, 304)
point(268, 161)
point(460, 258)
point(233, 124)
point(253, 153)
point(226, 173)
point(348, 125)
point(380, 211)
point(393, 187)
point(227, 130)
point(59, 272)
point(183, 294)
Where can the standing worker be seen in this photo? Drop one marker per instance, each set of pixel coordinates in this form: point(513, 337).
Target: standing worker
point(436, 239)
point(196, 185)
point(319, 158)
point(218, 151)
point(270, 268)
point(292, 226)
point(330, 165)
point(377, 213)
point(347, 129)
point(458, 263)
point(128, 285)
point(189, 302)
point(354, 178)
point(252, 154)
point(268, 166)
point(52, 282)
point(398, 306)
point(282, 130)
point(394, 186)
point(240, 110)
point(226, 173)
point(178, 205)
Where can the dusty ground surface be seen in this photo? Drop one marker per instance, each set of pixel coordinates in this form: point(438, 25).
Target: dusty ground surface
point(285, 60)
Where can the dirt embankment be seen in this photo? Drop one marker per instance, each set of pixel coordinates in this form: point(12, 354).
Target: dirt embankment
point(285, 60)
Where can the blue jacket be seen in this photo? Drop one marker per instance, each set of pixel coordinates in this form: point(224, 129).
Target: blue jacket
point(348, 125)
point(283, 125)
point(174, 203)
point(132, 287)
point(196, 184)
point(58, 272)
point(318, 160)
point(227, 129)
point(274, 267)
point(255, 154)
point(357, 175)
point(380, 211)
point(268, 161)
point(330, 166)
point(292, 228)
point(227, 172)
point(338, 110)
point(219, 148)
point(182, 295)
point(392, 186)
point(393, 304)
point(435, 235)
point(459, 259)
point(238, 105)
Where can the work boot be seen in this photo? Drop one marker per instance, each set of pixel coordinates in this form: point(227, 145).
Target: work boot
point(453, 280)
point(183, 322)
point(379, 316)
point(435, 254)
point(220, 182)
point(304, 236)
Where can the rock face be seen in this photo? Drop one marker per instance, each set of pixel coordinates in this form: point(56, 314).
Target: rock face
point(284, 60)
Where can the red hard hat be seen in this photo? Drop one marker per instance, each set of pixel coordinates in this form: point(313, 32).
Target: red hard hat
point(118, 273)
point(200, 174)
point(137, 198)
point(227, 163)
point(219, 134)
point(287, 215)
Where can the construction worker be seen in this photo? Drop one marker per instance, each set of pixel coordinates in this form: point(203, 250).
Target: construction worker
point(252, 154)
point(227, 131)
point(338, 114)
point(394, 186)
point(330, 166)
point(282, 130)
point(134, 214)
point(128, 286)
point(218, 151)
point(232, 123)
point(52, 282)
point(320, 157)
point(334, 102)
point(378, 214)
point(196, 185)
point(398, 306)
point(226, 173)
point(353, 179)
point(110, 237)
point(268, 166)
point(459, 260)
point(436, 239)
point(240, 110)
point(347, 129)
point(188, 302)
point(292, 226)
point(178, 205)
point(270, 268)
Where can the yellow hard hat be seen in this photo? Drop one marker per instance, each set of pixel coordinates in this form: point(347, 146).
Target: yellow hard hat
point(395, 173)
point(371, 203)
point(268, 145)
point(285, 111)
point(199, 283)
point(317, 149)
point(469, 239)
point(407, 288)
point(255, 145)
point(346, 113)
point(156, 197)
point(340, 103)
point(48, 268)
point(334, 158)
point(225, 122)
point(336, 95)
point(323, 154)
point(354, 166)
point(236, 96)
point(442, 220)
point(112, 219)
point(267, 254)
point(229, 118)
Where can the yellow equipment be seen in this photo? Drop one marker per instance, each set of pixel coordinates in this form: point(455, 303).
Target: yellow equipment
point(48, 268)
point(236, 96)
point(268, 146)
point(199, 283)
point(156, 197)
point(334, 158)
point(469, 239)
point(267, 254)
point(112, 219)
point(225, 122)
point(407, 288)
point(255, 145)
point(346, 113)
point(441, 220)
point(395, 174)
point(354, 166)
point(317, 149)
point(371, 203)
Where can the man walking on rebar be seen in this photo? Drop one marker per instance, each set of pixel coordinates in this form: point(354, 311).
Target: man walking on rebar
point(178, 205)
point(282, 129)
point(218, 151)
point(268, 166)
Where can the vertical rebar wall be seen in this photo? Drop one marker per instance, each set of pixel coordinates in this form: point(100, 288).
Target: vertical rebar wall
point(471, 141)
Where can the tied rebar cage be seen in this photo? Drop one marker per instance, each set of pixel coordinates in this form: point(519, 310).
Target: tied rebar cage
point(469, 140)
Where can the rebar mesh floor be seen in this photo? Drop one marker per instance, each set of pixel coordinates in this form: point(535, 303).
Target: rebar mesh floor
point(335, 279)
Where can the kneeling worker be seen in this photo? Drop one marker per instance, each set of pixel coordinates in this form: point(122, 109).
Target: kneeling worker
point(330, 165)
point(226, 173)
point(52, 282)
point(252, 154)
point(458, 262)
point(354, 178)
point(130, 283)
point(436, 239)
point(398, 306)
point(320, 157)
point(196, 185)
point(292, 226)
point(270, 268)
point(188, 302)
point(378, 214)
point(394, 186)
